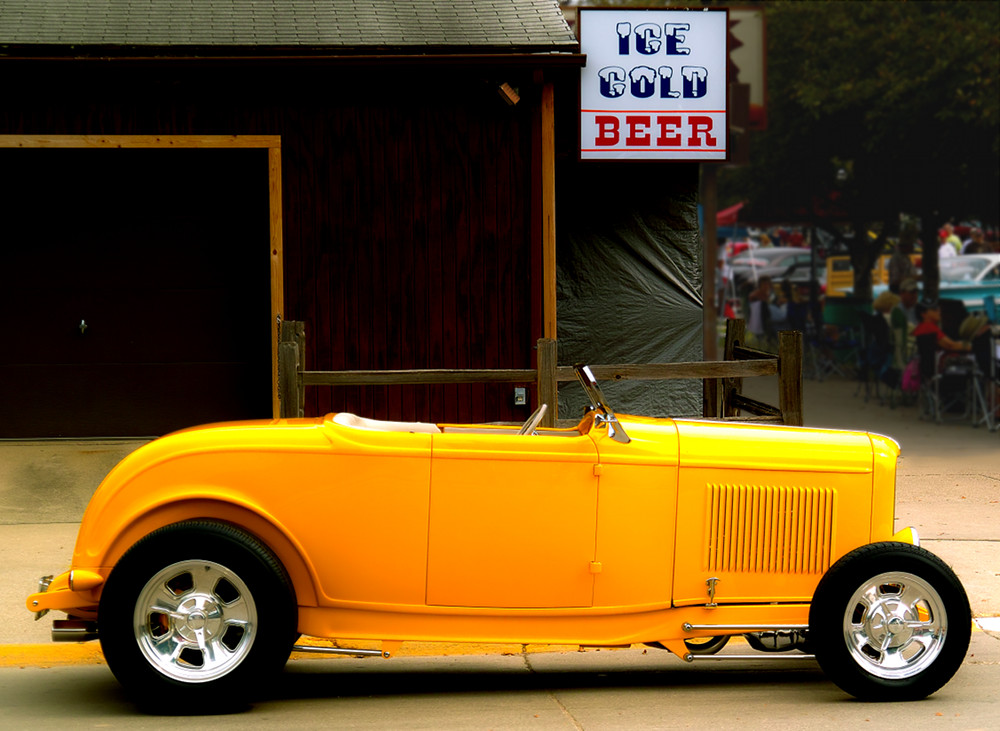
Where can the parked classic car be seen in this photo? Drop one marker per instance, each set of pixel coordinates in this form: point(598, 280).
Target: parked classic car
point(779, 263)
point(205, 555)
point(973, 279)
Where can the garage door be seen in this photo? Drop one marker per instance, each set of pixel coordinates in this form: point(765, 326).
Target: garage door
point(135, 290)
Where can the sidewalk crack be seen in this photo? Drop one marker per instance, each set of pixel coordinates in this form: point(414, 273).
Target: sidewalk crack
point(559, 704)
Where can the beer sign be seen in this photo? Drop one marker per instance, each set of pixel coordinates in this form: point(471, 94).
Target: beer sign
point(655, 86)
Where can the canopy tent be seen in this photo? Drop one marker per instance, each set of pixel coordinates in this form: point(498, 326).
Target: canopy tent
point(727, 216)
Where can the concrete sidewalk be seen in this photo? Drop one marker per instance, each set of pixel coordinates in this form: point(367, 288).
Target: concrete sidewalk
point(948, 488)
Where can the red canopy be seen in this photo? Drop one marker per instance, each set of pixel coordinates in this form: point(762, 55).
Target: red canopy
point(727, 216)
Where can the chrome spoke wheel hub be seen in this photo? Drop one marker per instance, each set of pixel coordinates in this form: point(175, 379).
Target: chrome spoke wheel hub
point(195, 621)
point(895, 625)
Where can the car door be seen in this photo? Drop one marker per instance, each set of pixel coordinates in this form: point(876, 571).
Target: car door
point(512, 520)
point(636, 515)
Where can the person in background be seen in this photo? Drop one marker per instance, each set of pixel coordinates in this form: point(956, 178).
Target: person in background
point(946, 249)
point(975, 243)
point(951, 237)
point(929, 312)
point(900, 264)
point(903, 321)
point(761, 315)
point(904, 313)
point(885, 303)
point(796, 307)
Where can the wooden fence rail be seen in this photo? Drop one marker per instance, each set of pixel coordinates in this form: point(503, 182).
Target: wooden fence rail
point(722, 381)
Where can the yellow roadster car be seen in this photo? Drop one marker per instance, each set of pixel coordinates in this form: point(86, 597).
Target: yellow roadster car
point(206, 555)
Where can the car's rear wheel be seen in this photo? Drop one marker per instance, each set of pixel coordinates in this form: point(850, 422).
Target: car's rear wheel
point(890, 622)
point(195, 615)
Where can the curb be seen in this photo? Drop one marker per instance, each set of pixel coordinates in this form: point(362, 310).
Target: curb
point(987, 624)
point(45, 656)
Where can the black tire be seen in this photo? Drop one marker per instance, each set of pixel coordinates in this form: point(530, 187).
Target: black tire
point(195, 616)
point(890, 622)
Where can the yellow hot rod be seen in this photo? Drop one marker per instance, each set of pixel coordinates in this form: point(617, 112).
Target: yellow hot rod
point(206, 555)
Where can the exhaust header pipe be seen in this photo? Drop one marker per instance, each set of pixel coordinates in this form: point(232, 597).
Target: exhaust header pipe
point(73, 630)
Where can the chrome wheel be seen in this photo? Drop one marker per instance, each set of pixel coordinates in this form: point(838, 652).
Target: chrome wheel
point(197, 612)
point(195, 621)
point(890, 622)
point(895, 625)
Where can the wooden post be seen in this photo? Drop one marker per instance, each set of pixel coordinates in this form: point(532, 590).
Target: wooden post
point(277, 255)
point(548, 212)
point(709, 200)
point(790, 377)
point(291, 357)
point(735, 334)
point(548, 388)
point(710, 398)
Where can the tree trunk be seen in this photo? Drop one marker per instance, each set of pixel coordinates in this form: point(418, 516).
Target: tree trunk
point(931, 275)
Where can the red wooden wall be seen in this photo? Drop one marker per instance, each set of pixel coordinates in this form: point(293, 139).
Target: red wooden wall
point(409, 234)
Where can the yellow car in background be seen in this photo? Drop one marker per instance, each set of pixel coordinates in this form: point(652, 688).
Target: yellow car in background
point(205, 555)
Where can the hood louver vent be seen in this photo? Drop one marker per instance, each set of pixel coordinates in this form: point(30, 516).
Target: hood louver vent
point(754, 529)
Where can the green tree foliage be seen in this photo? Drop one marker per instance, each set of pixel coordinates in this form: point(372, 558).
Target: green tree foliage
point(877, 109)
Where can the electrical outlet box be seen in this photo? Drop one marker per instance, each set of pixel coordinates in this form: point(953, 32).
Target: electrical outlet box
point(520, 396)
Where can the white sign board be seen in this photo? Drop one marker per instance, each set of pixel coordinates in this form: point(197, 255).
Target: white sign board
point(654, 87)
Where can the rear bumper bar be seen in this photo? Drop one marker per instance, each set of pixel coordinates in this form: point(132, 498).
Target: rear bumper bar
point(74, 592)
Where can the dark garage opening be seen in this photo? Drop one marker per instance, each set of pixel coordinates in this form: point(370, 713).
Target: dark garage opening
point(135, 290)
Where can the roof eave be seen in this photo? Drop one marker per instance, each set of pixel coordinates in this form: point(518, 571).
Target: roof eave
point(568, 53)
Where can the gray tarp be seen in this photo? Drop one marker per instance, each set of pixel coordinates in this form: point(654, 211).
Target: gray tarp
point(629, 280)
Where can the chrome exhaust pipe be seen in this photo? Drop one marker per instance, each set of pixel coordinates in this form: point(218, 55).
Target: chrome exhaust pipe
point(73, 630)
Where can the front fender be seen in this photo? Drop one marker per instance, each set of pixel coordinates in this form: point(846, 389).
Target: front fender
point(907, 535)
point(123, 531)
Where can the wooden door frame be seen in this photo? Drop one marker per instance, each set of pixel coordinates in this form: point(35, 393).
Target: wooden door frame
point(272, 143)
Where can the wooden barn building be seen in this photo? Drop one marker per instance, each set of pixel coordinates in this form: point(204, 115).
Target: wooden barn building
point(178, 177)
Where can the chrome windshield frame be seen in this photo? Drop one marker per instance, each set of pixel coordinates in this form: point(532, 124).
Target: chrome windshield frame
point(605, 414)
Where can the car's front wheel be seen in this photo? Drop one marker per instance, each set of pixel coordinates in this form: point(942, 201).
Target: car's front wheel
point(195, 615)
point(890, 622)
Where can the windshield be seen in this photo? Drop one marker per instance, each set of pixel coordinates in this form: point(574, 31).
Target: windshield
point(962, 268)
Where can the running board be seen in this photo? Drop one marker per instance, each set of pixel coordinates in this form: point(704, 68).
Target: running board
point(688, 627)
point(768, 656)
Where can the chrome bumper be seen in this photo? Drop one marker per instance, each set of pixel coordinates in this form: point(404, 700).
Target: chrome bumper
point(43, 586)
point(65, 630)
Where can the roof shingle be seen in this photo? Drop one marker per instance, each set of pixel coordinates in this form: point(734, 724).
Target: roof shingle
point(408, 26)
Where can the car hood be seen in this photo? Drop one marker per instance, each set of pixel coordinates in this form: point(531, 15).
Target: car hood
point(773, 447)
